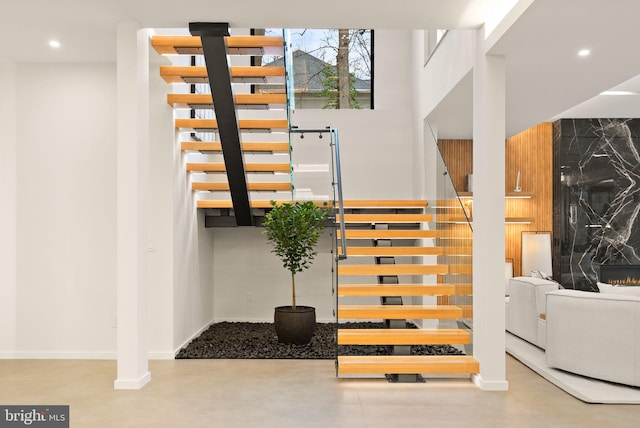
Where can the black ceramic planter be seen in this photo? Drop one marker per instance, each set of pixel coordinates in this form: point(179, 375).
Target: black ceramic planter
point(295, 327)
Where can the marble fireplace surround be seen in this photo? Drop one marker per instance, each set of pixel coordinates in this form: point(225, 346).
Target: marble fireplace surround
point(596, 192)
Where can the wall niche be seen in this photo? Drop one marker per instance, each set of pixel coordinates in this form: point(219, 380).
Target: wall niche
point(529, 153)
point(596, 192)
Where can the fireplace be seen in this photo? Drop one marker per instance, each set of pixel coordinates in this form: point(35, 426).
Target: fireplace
point(620, 274)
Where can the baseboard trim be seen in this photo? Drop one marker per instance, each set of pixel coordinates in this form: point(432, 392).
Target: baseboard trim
point(162, 355)
point(60, 355)
point(132, 383)
point(186, 342)
point(491, 385)
point(269, 320)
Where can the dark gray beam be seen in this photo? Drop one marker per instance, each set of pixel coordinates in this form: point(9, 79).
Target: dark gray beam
point(215, 56)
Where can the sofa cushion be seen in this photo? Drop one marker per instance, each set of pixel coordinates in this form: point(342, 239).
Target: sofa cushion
point(618, 289)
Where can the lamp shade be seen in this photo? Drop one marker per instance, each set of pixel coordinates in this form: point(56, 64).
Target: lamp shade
point(536, 252)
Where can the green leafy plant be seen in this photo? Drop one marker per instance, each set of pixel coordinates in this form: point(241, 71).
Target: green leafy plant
point(294, 230)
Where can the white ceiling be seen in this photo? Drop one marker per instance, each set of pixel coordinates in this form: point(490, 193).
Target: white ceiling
point(544, 76)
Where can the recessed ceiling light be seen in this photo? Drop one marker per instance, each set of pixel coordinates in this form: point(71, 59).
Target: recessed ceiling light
point(54, 43)
point(584, 52)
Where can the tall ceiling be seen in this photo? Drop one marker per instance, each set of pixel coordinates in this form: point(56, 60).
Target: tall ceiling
point(545, 77)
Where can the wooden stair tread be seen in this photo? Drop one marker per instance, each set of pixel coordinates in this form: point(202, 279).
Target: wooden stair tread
point(461, 219)
point(389, 234)
point(393, 251)
point(261, 204)
point(254, 186)
point(399, 312)
point(393, 269)
point(385, 203)
point(212, 146)
point(191, 45)
point(200, 100)
point(249, 167)
point(263, 124)
point(198, 74)
point(395, 290)
point(205, 203)
point(410, 364)
point(266, 204)
point(410, 336)
point(386, 218)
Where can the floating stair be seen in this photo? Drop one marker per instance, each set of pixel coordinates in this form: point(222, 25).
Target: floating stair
point(198, 74)
point(258, 186)
point(392, 269)
point(379, 290)
point(398, 312)
point(400, 235)
point(390, 234)
point(397, 336)
point(254, 147)
point(250, 167)
point(211, 125)
point(205, 101)
point(236, 45)
point(431, 364)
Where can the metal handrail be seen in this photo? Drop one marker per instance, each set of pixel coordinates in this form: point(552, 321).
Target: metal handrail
point(343, 238)
point(335, 159)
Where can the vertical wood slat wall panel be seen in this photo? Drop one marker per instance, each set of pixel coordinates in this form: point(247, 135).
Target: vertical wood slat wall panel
point(531, 153)
point(458, 157)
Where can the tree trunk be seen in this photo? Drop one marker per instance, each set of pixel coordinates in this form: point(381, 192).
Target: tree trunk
point(293, 292)
point(342, 65)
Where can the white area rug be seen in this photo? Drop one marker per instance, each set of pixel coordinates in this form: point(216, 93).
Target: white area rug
point(584, 388)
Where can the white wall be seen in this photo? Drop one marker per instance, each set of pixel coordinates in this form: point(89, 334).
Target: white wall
point(448, 65)
point(8, 220)
point(192, 287)
point(66, 223)
point(59, 244)
point(376, 145)
point(250, 280)
point(160, 231)
point(180, 249)
point(193, 295)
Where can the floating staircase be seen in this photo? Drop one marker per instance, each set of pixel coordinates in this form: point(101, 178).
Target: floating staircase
point(236, 142)
point(378, 232)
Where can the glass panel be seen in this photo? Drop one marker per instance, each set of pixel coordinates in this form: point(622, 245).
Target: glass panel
point(453, 222)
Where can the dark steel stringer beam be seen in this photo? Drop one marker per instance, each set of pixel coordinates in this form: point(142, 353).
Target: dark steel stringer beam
point(215, 56)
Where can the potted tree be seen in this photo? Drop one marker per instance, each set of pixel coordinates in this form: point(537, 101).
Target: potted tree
point(294, 229)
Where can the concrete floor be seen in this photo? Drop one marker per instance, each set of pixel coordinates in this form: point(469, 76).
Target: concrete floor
point(292, 393)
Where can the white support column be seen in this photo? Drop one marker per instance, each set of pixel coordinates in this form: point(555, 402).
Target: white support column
point(132, 177)
point(8, 213)
point(488, 218)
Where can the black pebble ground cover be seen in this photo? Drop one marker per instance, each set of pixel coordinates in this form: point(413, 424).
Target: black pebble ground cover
point(244, 340)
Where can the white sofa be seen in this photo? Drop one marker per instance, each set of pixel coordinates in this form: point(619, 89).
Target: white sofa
point(525, 305)
point(594, 334)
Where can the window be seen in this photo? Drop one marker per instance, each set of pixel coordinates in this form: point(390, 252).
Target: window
point(331, 68)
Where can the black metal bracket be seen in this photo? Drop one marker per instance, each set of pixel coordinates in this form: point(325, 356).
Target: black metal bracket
point(214, 48)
